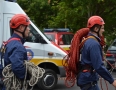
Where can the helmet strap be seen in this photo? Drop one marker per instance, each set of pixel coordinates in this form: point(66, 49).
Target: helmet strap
point(97, 31)
point(23, 33)
point(18, 31)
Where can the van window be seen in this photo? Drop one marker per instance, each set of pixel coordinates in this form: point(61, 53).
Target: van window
point(11, 31)
point(33, 35)
point(66, 39)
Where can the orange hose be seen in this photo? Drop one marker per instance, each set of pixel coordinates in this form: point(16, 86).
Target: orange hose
point(105, 83)
point(71, 61)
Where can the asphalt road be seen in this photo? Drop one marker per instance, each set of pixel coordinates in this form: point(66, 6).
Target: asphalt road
point(61, 85)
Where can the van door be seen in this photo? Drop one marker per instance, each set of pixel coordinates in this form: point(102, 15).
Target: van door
point(6, 26)
point(35, 50)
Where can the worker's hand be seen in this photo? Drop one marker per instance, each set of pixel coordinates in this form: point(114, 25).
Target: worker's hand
point(114, 83)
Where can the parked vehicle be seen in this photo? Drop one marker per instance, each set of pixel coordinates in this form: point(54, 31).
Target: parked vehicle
point(40, 50)
point(111, 55)
point(61, 36)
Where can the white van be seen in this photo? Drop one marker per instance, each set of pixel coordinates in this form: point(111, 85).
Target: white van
point(40, 50)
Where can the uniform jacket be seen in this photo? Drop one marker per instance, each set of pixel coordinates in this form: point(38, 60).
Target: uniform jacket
point(91, 54)
point(15, 55)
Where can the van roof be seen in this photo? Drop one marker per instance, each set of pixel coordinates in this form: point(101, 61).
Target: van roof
point(11, 7)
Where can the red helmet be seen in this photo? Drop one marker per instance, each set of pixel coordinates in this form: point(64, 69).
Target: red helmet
point(19, 19)
point(94, 20)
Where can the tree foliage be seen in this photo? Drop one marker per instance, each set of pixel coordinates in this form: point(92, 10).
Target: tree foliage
point(71, 14)
point(37, 10)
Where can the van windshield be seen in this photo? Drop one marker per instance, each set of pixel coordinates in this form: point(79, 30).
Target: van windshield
point(32, 35)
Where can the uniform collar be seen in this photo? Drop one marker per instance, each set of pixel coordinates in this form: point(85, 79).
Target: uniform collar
point(90, 34)
point(17, 36)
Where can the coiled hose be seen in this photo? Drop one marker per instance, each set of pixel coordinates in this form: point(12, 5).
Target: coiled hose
point(71, 61)
point(11, 82)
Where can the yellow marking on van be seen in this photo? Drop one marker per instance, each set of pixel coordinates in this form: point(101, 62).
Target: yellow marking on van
point(37, 61)
point(65, 48)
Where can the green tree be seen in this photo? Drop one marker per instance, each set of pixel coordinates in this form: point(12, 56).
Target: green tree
point(37, 10)
point(71, 14)
point(74, 14)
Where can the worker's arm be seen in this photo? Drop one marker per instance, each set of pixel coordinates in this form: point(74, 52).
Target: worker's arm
point(97, 63)
point(17, 61)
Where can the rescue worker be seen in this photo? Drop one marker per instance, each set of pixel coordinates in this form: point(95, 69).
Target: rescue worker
point(16, 53)
point(91, 58)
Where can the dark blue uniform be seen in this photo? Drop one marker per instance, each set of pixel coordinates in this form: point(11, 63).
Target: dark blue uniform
point(15, 55)
point(92, 56)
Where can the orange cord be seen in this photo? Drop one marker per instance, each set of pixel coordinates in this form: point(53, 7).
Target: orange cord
point(70, 62)
point(101, 84)
point(112, 66)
